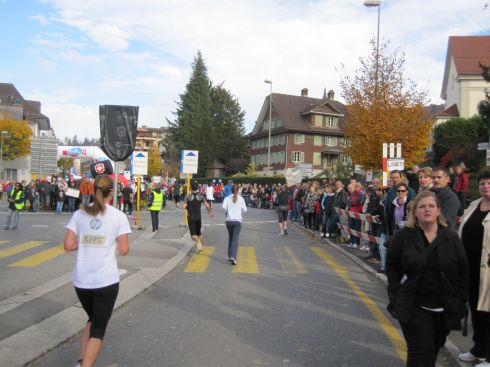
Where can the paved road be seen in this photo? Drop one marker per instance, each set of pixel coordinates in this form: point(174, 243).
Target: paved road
point(291, 301)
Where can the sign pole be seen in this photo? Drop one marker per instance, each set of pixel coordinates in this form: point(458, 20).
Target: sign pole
point(138, 192)
point(188, 189)
point(114, 194)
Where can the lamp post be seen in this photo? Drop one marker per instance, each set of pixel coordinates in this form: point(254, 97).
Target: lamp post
point(372, 4)
point(270, 126)
point(3, 134)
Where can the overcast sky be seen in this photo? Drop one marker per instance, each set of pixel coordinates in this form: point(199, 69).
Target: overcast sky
point(74, 55)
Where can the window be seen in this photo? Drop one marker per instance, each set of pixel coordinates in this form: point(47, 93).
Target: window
point(317, 140)
point(299, 138)
point(331, 141)
point(318, 120)
point(333, 122)
point(317, 158)
point(297, 157)
point(346, 160)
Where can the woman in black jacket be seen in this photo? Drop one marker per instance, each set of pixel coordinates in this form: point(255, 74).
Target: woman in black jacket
point(427, 280)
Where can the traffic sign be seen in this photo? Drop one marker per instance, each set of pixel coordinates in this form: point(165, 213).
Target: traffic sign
point(482, 146)
point(140, 163)
point(396, 164)
point(188, 161)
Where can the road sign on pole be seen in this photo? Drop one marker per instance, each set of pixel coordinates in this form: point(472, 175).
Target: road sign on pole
point(140, 163)
point(188, 161)
point(396, 164)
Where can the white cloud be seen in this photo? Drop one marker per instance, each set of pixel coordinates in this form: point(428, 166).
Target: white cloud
point(140, 53)
point(40, 18)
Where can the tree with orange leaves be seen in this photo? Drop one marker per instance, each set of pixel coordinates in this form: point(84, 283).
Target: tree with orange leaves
point(384, 107)
point(17, 141)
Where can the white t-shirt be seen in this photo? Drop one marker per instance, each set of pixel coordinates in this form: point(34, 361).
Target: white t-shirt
point(96, 264)
point(209, 193)
point(234, 210)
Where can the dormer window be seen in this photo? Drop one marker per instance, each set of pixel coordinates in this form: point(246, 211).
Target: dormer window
point(332, 122)
point(318, 120)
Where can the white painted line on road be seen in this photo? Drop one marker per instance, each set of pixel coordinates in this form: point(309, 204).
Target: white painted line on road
point(29, 295)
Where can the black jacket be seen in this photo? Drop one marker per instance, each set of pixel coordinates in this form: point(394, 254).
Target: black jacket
point(340, 199)
point(405, 259)
point(390, 217)
point(449, 204)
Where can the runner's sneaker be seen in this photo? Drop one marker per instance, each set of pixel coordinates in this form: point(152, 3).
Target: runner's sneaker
point(483, 364)
point(199, 245)
point(233, 261)
point(469, 357)
point(281, 233)
point(285, 232)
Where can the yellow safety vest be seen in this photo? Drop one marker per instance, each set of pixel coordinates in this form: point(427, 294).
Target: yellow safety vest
point(157, 201)
point(18, 206)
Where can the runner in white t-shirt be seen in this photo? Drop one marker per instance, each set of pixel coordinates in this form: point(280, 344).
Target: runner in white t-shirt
point(96, 232)
point(210, 194)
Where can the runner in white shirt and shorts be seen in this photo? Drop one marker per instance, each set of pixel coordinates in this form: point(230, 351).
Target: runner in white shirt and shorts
point(96, 232)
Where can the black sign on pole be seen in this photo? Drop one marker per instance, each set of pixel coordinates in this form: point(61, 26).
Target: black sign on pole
point(118, 130)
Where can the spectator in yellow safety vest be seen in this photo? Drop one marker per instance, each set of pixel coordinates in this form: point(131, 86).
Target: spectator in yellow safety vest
point(155, 203)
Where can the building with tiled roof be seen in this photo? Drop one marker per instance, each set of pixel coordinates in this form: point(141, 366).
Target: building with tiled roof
point(306, 132)
point(463, 86)
point(42, 160)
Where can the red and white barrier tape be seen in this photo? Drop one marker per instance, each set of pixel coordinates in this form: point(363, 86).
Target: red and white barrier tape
point(362, 235)
point(366, 217)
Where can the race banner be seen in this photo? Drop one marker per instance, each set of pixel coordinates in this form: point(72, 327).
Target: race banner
point(118, 126)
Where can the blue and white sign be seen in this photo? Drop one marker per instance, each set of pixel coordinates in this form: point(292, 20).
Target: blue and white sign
point(188, 161)
point(140, 163)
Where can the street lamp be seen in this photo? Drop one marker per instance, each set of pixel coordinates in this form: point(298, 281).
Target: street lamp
point(371, 4)
point(3, 134)
point(270, 125)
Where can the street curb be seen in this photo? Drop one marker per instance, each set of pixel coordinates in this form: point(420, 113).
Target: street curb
point(46, 335)
point(452, 349)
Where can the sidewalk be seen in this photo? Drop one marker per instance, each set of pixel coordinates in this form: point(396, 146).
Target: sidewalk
point(152, 255)
point(455, 344)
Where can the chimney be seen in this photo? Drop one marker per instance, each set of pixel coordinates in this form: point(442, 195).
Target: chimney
point(331, 95)
point(304, 92)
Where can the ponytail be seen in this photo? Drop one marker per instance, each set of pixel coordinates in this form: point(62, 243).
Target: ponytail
point(234, 190)
point(103, 187)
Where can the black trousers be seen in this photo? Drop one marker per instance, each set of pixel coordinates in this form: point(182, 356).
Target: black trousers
point(128, 207)
point(154, 219)
point(480, 322)
point(424, 334)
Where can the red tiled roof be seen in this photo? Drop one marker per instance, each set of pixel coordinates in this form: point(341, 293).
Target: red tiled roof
point(294, 112)
point(451, 111)
point(468, 51)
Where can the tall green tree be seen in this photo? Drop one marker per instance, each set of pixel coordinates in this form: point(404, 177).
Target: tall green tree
point(208, 119)
point(193, 125)
point(455, 141)
point(228, 118)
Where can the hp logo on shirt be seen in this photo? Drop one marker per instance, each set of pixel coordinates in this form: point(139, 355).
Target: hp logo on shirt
point(95, 224)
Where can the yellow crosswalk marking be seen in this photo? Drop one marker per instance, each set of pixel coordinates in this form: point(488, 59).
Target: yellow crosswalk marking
point(39, 258)
point(247, 260)
point(2, 242)
point(200, 260)
point(388, 328)
point(289, 261)
point(20, 248)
